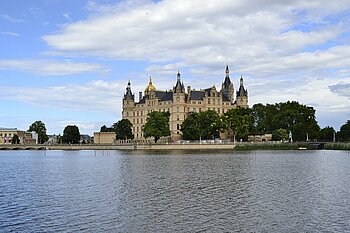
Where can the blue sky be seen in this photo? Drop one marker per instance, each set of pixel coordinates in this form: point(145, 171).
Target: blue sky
point(68, 62)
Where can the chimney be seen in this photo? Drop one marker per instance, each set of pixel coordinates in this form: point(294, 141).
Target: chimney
point(188, 89)
point(140, 96)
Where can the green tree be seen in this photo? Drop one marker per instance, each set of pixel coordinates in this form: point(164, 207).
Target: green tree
point(191, 127)
point(344, 133)
point(157, 125)
point(203, 125)
point(279, 134)
point(40, 129)
point(123, 129)
point(71, 134)
point(15, 139)
point(240, 122)
point(326, 134)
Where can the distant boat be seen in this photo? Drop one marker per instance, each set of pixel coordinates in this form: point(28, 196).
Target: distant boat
point(302, 148)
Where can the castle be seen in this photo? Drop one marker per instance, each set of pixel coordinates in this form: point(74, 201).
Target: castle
point(180, 102)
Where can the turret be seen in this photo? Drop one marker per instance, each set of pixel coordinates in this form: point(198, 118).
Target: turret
point(179, 87)
point(128, 101)
point(227, 89)
point(150, 87)
point(128, 94)
point(242, 95)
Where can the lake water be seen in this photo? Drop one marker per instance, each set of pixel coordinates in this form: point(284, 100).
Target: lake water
point(179, 191)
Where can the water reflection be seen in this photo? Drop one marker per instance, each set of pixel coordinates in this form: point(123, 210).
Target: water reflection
point(191, 191)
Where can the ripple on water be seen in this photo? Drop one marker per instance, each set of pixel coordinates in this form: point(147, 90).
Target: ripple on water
point(269, 191)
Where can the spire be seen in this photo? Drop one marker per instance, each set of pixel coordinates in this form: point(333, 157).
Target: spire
point(128, 94)
point(227, 81)
point(179, 87)
point(241, 91)
point(150, 86)
point(227, 71)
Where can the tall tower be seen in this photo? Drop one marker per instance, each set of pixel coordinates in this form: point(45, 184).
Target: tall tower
point(227, 89)
point(178, 113)
point(242, 95)
point(128, 101)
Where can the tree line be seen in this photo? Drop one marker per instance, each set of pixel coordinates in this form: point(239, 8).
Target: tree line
point(280, 120)
point(71, 134)
point(277, 119)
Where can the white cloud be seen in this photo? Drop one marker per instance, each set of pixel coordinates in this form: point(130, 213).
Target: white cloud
point(12, 19)
point(52, 67)
point(11, 34)
point(94, 96)
point(67, 16)
point(290, 50)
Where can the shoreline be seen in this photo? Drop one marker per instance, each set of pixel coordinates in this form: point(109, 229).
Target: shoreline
point(187, 146)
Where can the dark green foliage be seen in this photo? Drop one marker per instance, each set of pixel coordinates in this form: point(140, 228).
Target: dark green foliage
point(104, 128)
point(122, 130)
point(71, 135)
point(326, 134)
point(203, 125)
point(292, 116)
point(344, 133)
point(40, 129)
point(15, 139)
point(157, 125)
point(279, 134)
point(240, 122)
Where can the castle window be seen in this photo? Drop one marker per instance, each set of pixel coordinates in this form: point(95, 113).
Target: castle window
point(137, 129)
point(194, 109)
point(178, 117)
point(168, 109)
point(200, 110)
point(141, 113)
point(137, 120)
point(133, 121)
point(127, 114)
point(213, 101)
point(178, 127)
point(213, 94)
point(218, 110)
point(208, 101)
point(141, 120)
point(184, 109)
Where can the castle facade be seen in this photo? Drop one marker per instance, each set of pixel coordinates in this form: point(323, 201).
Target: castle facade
point(180, 102)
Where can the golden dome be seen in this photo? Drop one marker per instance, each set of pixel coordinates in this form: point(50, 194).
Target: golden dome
point(150, 86)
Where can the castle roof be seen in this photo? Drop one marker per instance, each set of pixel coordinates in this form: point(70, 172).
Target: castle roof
point(150, 86)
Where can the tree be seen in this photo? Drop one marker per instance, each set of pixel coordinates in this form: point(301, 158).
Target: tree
point(71, 134)
point(15, 139)
point(279, 134)
point(192, 128)
point(239, 121)
point(157, 125)
point(203, 125)
point(40, 129)
point(344, 133)
point(326, 134)
point(123, 130)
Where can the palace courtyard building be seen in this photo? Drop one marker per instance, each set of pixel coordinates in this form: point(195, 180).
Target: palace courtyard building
point(180, 102)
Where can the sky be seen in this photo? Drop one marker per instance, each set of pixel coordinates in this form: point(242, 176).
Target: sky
point(68, 61)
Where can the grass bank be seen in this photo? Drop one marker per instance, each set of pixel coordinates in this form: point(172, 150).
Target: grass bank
point(337, 146)
point(270, 146)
